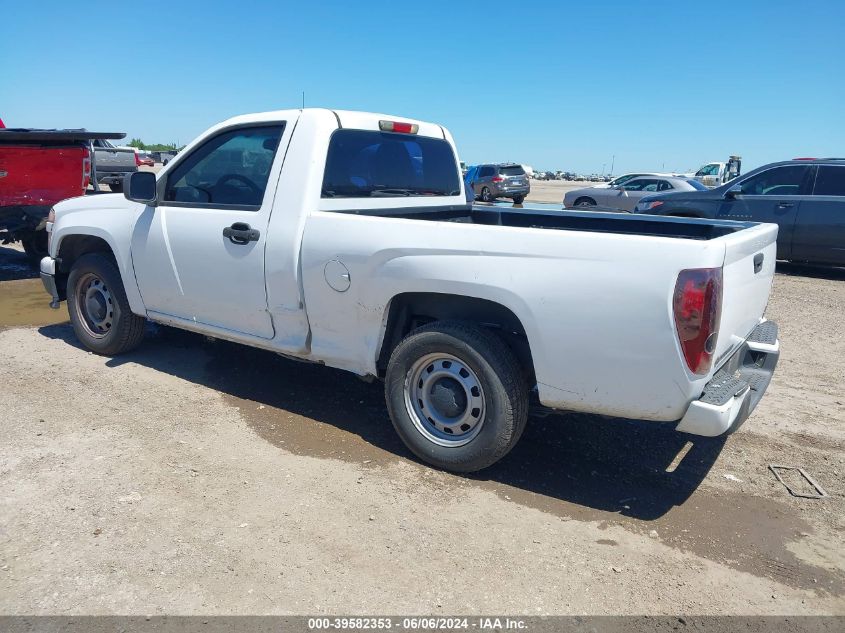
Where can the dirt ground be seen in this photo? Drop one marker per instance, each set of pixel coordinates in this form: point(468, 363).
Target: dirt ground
point(197, 477)
point(553, 190)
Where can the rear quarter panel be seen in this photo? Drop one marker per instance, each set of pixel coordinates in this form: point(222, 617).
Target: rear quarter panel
point(596, 307)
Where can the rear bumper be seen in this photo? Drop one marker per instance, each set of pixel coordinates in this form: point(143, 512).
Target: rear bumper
point(736, 389)
point(510, 192)
point(109, 177)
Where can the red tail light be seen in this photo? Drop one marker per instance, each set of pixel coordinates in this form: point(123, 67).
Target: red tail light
point(498, 179)
point(697, 305)
point(86, 168)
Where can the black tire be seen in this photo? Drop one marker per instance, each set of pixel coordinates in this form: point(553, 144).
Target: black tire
point(504, 393)
point(486, 196)
point(518, 199)
point(35, 246)
point(585, 202)
point(117, 330)
point(116, 187)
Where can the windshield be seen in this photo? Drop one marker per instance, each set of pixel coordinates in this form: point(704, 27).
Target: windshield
point(696, 185)
point(622, 180)
point(376, 164)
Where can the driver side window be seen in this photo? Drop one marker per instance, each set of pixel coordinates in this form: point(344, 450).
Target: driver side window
point(229, 170)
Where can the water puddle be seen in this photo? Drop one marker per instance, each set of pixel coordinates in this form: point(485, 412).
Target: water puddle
point(25, 303)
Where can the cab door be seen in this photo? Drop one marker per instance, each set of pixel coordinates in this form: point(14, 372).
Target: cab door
point(199, 254)
point(774, 195)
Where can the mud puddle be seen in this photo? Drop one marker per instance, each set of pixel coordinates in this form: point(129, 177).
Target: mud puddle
point(24, 302)
point(573, 466)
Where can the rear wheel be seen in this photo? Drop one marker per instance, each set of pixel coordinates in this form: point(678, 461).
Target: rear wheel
point(116, 187)
point(456, 395)
point(98, 308)
point(518, 199)
point(486, 196)
point(585, 202)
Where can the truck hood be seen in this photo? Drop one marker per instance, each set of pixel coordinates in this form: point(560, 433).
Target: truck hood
point(115, 201)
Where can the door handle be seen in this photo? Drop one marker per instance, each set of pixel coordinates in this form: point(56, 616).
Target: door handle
point(241, 233)
point(785, 205)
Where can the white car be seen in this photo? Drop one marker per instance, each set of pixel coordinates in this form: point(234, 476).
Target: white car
point(625, 196)
point(344, 238)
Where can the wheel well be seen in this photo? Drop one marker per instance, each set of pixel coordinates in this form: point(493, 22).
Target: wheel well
point(582, 198)
point(411, 310)
point(75, 246)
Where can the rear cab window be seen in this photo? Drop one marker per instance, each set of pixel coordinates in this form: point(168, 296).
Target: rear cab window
point(363, 164)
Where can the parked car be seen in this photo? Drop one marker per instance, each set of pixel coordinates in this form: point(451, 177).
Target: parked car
point(624, 197)
point(111, 163)
point(506, 180)
point(805, 198)
point(344, 238)
point(38, 168)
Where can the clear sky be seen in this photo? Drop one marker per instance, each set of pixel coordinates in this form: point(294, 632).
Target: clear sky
point(557, 85)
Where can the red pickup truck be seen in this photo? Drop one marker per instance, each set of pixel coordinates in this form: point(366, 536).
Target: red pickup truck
point(39, 168)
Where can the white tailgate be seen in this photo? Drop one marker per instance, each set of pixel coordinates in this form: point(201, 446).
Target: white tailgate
point(745, 292)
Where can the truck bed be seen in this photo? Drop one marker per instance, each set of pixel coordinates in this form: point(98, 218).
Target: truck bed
point(565, 220)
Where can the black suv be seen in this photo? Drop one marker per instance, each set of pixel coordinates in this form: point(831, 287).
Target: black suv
point(804, 197)
point(489, 182)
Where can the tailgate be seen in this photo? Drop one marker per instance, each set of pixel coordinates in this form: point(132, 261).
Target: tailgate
point(748, 272)
point(109, 158)
point(40, 175)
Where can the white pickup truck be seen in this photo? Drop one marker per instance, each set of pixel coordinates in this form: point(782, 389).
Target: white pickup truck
point(345, 238)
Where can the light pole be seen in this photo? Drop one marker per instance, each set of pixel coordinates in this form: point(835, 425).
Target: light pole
point(612, 162)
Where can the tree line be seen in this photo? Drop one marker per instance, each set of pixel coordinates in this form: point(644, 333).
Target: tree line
point(155, 147)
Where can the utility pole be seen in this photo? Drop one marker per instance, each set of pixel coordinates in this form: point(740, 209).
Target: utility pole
point(303, 99)
point(612, 163)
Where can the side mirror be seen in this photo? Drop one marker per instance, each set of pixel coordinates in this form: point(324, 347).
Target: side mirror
point(733, 192)
point(140, 186)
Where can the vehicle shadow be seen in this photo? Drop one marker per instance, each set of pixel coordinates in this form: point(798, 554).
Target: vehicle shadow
point(14, 264)
point(808, 270)
point(603, 464)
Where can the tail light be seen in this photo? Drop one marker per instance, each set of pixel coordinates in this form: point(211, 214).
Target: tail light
point(137, 159)
point(498, 179)
point(86, 168)
point(697, 304)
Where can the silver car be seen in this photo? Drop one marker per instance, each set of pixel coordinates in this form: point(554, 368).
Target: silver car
point(624, 197)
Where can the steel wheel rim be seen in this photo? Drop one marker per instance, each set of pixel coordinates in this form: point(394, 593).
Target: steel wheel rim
point(94, 305)
point(445, 399)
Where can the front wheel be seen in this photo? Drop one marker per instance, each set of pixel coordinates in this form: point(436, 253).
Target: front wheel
point(518, 199)
point(585, 202)
point(456, 395)
point(486, 196)
point(98, 307)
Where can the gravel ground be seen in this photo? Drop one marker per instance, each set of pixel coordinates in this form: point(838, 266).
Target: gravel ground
point(197, 477)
